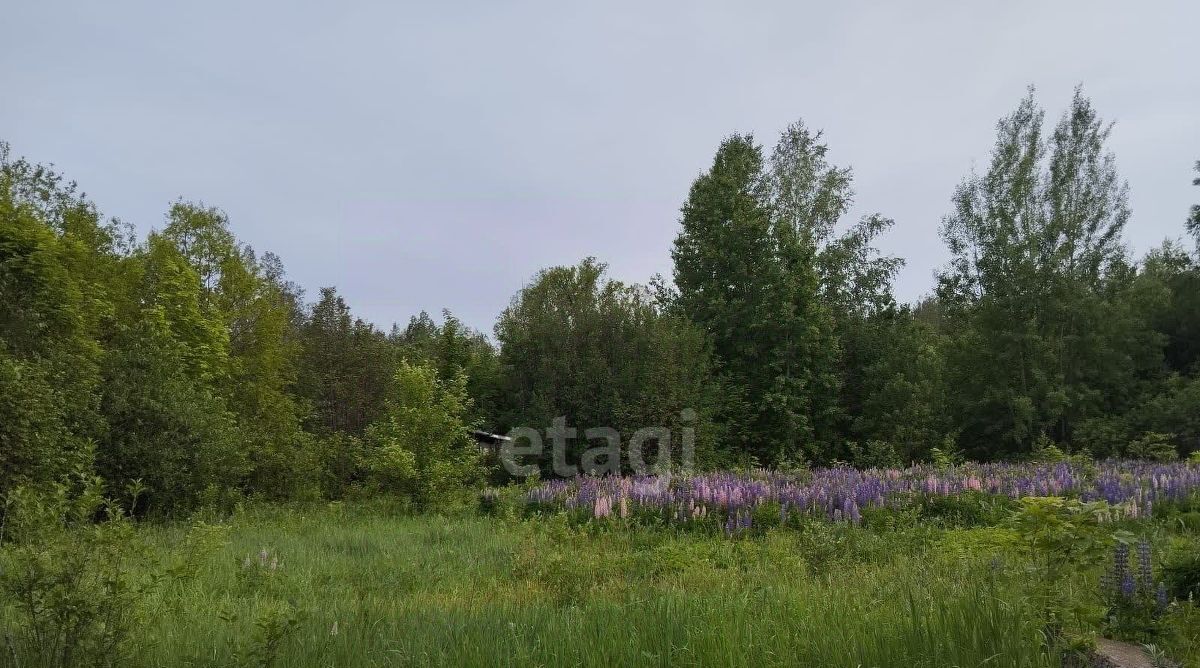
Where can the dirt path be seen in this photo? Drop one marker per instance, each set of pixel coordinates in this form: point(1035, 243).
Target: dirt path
point(1117, 654)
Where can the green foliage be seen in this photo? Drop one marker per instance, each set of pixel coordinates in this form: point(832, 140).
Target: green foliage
point(1154, 447)
point(751, 280)
point(1104, 436)
point(1046, 450)
point(420, 448)
point(48, 358)
point(1041, 334)
point(345, 365)
point(1057, 538)
point(895, 383)
point(875, 454)
point(36, 442)
point(1181, 573)
point(453, 347)
point(166, 429)
point(77, 592)
point(1062, 533)
point(1136, 600)
point(489, 501)
point(1170, 291)
point(1182, 637)
point(273, 626)
point(969, 509)
point(78, 599)
point(341, 459)
point(946, 455)
point(603, 354)
point(356, 584)
point(187, 363)
point(274, 622)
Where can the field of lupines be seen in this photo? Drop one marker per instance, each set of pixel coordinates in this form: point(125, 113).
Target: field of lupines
point(841, 494)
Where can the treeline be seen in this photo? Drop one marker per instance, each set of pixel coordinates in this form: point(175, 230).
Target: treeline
point(186, 369)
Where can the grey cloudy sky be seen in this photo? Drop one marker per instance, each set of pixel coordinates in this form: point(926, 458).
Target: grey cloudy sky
point(436, 154)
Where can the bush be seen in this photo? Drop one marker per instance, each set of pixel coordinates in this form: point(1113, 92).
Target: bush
point(875, 455)
point(946, 456)
point(1047, 451)
point(1103, 436)
point(74, 590)
point(969, 509)
point(1059, 536)
point(421, 450)
point(341, 458)
point(1153, 446)
point(36, 443)
point(1182, 576)
point(489, 501)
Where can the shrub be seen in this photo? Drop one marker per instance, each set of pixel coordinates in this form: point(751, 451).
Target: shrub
point(421, 449)
point(1059, 536)
point(73, 590)
point(1062, 533)
point(1182, 575)
point(1153, 446)
point(969, 509)
point(76, 590)
point(273, 624)
point(948, 455)
point(341, 459)
point(1104, 436)
point(875, 455)
point(1046, 450)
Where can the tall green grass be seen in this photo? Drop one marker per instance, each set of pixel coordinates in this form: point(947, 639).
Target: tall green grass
point(362, 589)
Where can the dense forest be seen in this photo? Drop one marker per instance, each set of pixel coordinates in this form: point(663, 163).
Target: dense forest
point(185, 369)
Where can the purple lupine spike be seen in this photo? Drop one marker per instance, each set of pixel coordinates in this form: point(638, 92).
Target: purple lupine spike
point(1145, 574)
point(1128, 586)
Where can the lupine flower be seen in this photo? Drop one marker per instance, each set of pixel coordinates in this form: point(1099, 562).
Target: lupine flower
point(840, 493)
point(1145, 574)
point(602, 507)
point(1119, 570)
point(1128, 587)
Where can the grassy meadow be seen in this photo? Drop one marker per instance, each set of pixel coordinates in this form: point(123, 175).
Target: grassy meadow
point(962, 579)
point(357, 587)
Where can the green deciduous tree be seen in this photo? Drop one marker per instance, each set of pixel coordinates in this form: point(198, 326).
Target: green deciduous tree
point(49, 318)
point(600, 353)
point(1040, 337)
point(421, 449)
point(452, 347)
point(752, 286)
point(762, 267)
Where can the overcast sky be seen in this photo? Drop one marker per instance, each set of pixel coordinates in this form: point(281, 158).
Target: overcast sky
point(430, 155)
